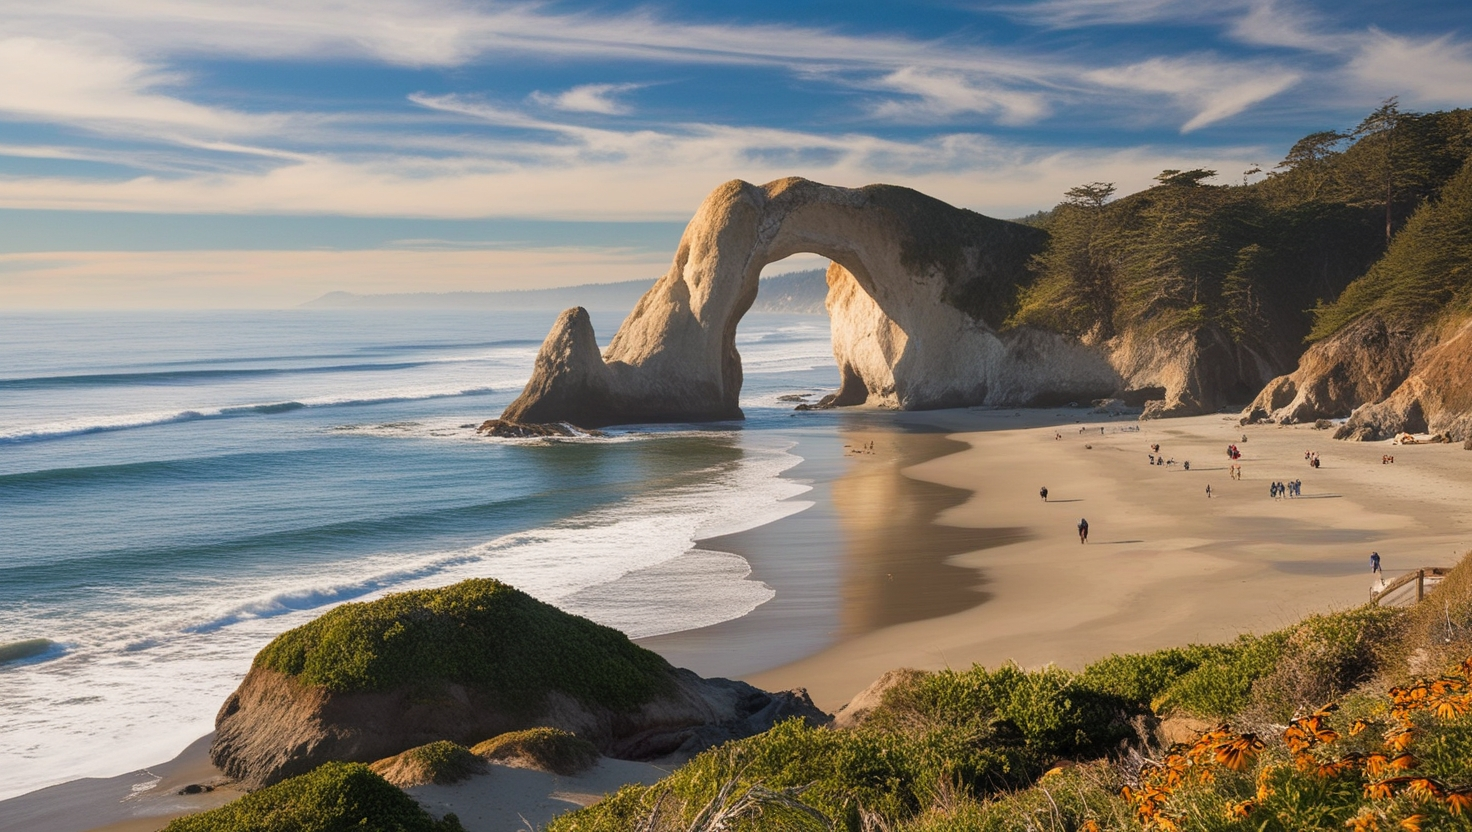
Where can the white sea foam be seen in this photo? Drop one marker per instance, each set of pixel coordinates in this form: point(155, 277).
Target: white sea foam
point(82, 425)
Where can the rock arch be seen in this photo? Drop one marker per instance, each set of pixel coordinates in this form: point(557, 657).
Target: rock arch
point(917, 293)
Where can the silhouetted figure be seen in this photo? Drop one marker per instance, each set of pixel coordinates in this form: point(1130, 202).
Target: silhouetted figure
point(1083, 531)
point(1043, 492)
point(1375, 563)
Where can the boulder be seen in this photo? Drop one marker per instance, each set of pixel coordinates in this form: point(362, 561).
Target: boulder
point(474, 660)
point(521, 430)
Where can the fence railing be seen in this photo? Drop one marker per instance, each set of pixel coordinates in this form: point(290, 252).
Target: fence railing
point(1423, 579)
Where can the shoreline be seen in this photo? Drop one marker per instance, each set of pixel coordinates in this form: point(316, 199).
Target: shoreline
point(834, 581)
point(1164, 566)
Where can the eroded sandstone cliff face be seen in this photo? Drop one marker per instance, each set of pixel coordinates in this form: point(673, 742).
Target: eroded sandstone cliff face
point(1386, 379)
point(1435, 397)
point(1363, 363)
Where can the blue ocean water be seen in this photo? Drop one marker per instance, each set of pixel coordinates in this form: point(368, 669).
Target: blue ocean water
point(177, 488)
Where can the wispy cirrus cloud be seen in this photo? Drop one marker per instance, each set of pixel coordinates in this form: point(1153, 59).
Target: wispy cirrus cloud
point(1211, 91)
point(1075, 14)
point(77, 82)
point(588, 98)
point(939, 94)
point(1433, 72)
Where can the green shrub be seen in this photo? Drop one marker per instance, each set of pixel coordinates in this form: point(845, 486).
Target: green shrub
point(1046, 713)
point(1322, 658)
point(1437, 631)
point(838, 773)
point(1221, 685)
point(480, 633)
point(1143, 677)
point(441, 763)
point(547, 749)
point(965, 734)
point(1063, 801)
point(335, 797)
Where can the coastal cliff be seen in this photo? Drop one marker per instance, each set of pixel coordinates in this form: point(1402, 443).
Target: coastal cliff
point(1393, 353)
point(467, 663)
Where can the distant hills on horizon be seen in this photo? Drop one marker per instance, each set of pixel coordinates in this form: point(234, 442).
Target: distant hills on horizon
point(797, 293)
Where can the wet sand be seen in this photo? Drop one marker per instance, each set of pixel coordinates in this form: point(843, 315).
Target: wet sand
point(867, 555)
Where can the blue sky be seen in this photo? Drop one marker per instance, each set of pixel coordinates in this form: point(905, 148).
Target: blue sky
point(204, 153)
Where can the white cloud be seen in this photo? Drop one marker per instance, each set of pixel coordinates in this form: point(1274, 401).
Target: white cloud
point(1210, 90)
point(1430, 72)
point(1075, 14)
point(74, 82)
point(942, 94)
point(592, 173)
point(588, 98)
point(1276, 23)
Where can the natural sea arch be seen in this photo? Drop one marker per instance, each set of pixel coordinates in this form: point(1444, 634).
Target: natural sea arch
point(917, 291)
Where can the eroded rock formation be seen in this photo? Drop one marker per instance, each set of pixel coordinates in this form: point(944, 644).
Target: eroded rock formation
point(1386, 379)
point(1363, 363)
point(918, 292)
point(274, 727)
point(1435, 397)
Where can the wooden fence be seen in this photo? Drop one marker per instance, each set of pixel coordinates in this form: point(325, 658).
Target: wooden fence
point(1423, 579)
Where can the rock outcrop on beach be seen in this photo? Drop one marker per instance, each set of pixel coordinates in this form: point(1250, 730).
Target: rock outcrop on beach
point(918, 293)
point(466, 663)
point(1386, 379)
point(1436, 397)
point(1363, 363)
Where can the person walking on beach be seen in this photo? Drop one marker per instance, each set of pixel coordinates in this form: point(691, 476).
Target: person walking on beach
point(1083, 530)
point(1375, 564)
point(1043, 492)
point(1208, 491)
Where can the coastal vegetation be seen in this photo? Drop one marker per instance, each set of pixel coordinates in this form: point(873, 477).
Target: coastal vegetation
point(334, 797)
point(1052, 750)
point(1360, 719)
point(480, 633)
point(441, 763)
point(544, 749)
point(1425, 276)
point(1253, 260)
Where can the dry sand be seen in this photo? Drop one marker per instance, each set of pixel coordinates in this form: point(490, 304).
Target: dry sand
point(1164, 564)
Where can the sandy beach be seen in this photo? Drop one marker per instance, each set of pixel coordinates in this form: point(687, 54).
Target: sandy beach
point(928, 546)
point(1165, 565)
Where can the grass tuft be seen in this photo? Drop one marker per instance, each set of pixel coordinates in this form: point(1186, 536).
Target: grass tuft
point(334, 797)
point(440, 763)
point(544, 749)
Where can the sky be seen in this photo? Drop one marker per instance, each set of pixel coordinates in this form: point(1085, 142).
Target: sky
point(229, 153)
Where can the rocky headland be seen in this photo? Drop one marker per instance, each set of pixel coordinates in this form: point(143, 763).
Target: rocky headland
point(919, 293)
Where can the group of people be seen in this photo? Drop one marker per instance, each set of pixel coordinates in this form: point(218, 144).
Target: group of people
point(1161, 460)
point(1312, 457)
point(1233, 453)
point(1234, 471)
point(1387, 459)
point(1292, 488)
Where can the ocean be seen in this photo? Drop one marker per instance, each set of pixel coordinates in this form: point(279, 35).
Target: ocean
point(178, 488)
